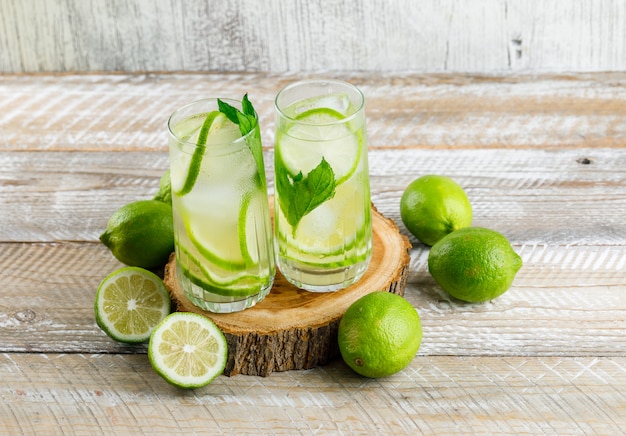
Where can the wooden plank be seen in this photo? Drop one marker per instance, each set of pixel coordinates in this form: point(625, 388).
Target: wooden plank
point(369, 35)
point(121, 394)
point(565, 301)
point(129, 113)
point(532, 196)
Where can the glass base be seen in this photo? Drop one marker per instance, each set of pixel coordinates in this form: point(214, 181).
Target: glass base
point(321, 279)
point(219, 303)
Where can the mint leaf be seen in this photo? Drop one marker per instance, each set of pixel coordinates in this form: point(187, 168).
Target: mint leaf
point(228, 110)
point(299, 195)
point(246, 106)
point(247, 122)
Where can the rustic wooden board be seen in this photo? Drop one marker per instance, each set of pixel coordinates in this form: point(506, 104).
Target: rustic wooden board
point(122, 112)
point(566, 301)
point(296, 329)
point(532, 196)
point(452, 395)
point(543, 160)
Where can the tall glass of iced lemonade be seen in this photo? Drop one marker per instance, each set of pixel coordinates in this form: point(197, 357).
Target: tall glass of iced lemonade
point(322, 223)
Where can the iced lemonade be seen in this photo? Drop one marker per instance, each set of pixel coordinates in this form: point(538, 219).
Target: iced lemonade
point(322, 202)
point(224, 250)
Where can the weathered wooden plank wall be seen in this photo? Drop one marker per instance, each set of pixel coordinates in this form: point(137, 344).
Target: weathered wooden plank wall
point(487, 36)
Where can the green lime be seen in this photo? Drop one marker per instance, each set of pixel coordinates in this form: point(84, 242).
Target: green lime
point(379, 334)
point(165, 189)
point(474, 264)
point(141, 233)
point(188, 350)
point(433, 206)
point(130, 303)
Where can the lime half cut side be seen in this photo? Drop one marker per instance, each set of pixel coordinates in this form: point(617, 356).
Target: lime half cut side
point(130, 303)
point(319, 133)
point(188, 350)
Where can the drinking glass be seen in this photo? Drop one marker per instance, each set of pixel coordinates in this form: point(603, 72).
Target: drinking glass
point(222, 227)
point(322, 224)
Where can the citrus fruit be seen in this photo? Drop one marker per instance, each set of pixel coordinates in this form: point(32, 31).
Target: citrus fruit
point(474, 264)
point(165, 189)
point(325, 137)
point(379, 334)
point(141, 233)
point(433, 206)
point(188, 350)
point(215, 129)
point(130, 303)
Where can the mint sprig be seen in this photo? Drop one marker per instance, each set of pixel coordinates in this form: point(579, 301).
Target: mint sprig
point(246, 119)
point(299, 195)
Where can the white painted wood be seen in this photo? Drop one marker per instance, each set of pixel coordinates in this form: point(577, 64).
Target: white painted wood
point(332, 35)
point(76, 394)
point(542, 159)
point(129, 112)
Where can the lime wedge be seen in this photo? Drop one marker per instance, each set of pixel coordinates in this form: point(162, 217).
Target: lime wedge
point(325, 138)
point(130, 302)
point(188, 350)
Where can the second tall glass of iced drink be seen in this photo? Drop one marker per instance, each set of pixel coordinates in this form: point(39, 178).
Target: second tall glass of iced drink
point(322, 222)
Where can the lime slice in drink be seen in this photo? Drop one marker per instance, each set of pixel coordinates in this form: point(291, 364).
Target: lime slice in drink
point(335, 141)
point(215, 129)
point(188, 350)
point(251, 232)
point(339, 102)
point(331, 228)
point(214, 231)
point(218, 280)
point(130, 302)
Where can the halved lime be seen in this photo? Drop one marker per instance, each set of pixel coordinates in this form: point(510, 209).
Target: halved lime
point(130, 302)
point(188, 350)
point(324, 137)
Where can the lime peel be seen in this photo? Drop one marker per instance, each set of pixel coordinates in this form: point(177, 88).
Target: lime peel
point(474, 264)
point(379, 334)
point(198, 153)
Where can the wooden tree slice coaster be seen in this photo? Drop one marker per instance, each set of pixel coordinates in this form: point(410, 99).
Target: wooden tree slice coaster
point(296, 329)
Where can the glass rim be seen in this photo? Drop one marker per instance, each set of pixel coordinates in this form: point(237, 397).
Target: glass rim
point(206, 100)
point(347, 119)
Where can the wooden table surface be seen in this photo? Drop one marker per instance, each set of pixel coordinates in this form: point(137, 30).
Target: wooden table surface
point(542, 159)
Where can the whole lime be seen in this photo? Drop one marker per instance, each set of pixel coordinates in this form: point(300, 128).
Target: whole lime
point(433, 206)
point(379, 334)
point(141, 233)
point(474, 264)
